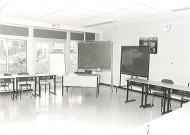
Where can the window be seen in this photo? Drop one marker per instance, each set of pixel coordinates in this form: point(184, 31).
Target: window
point(73, 56)
point(17, 56)
point(3, 57)
point(42, 57)
point(13, 56)
point(43, 50)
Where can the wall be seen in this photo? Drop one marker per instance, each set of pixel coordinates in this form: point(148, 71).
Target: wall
point(171, 61)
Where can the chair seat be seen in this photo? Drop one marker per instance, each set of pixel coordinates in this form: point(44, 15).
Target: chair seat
point(44, 83)
point(25, 85)
point(158, 93)
point(3, 85)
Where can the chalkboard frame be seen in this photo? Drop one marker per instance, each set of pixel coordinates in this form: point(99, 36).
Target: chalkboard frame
point(133, 74)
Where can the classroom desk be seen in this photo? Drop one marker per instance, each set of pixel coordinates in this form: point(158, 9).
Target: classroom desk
point(24, 78)
point(81, 80)
point(36, 78)
point(8, 79)
point(145, 84)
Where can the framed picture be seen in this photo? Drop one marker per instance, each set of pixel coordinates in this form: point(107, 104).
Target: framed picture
point(152, 42)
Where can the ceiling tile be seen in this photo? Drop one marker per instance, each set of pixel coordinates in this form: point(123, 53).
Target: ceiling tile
point(167, 5)
point(66, 14)
point(29, 7)
point(121, 4)
point(55, 20)
point(144, 1)
point(4, 3)
point(97, 7)
point(112, 17)
point(18, 13)
point(52, 4)
point(93, 20)
point(82, 11)
point(78, 24)
point(144, 11)
point(127, 14)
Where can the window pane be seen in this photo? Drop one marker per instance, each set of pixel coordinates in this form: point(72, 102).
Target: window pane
point(17, 56)
point(3, 57)
point(43, 50)
point(73, 56)
point(42, 57)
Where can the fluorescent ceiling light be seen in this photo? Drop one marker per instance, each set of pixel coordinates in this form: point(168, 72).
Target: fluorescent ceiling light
point(101, 23)
point(180, 9)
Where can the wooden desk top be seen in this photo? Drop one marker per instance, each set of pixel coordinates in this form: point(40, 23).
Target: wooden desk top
point(161, 84)
point(6, 77)
point(20, 76)
point(82, 75)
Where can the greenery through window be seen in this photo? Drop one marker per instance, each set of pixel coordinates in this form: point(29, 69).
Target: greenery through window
point(13, 56)
point(43, 50)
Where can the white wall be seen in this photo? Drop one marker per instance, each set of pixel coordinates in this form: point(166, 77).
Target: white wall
point(173, 58)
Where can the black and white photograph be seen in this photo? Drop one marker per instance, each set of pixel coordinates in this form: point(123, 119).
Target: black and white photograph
point(94, 67)
point(152, 42)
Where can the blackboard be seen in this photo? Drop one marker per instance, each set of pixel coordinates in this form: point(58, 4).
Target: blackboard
point(135, 60)
point(95, 55)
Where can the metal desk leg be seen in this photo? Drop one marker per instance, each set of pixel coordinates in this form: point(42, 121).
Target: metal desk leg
point(35, 86)
point(16, 88)
point(39, 87)
point(13, 88)
point(142, 96)
point(98, 84)
point(67, 89)
point(62, 85)
point(146, 97)
point(97, 88)
point(164, 102)
point(55, 84)
point(35, 89)
point(127, 97)
point(168, 103)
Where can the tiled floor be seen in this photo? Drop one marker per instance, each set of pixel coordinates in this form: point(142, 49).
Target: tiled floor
point(76, 113)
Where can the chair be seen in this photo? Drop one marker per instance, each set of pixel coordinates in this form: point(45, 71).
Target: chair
point(5, 83)
point(184, 96)
point(25, 84)
point(43, 81)
point(158, 91)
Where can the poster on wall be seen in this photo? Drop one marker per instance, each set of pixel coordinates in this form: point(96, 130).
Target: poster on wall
point(152, 42)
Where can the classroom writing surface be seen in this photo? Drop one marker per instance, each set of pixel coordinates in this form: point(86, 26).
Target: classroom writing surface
point(57, 63)
point(135, 60)
point(95, 55)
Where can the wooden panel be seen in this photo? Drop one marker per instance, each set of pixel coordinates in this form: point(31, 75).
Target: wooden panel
point(89, 36)
point(14, 30)
point(77, 36)
point(41, 33)
point(80, 80)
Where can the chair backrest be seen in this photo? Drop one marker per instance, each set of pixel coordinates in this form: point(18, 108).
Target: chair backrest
point(7, 74)
point(6, 80)
point(24, 79)
point(23, 73)
point(167, 81)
